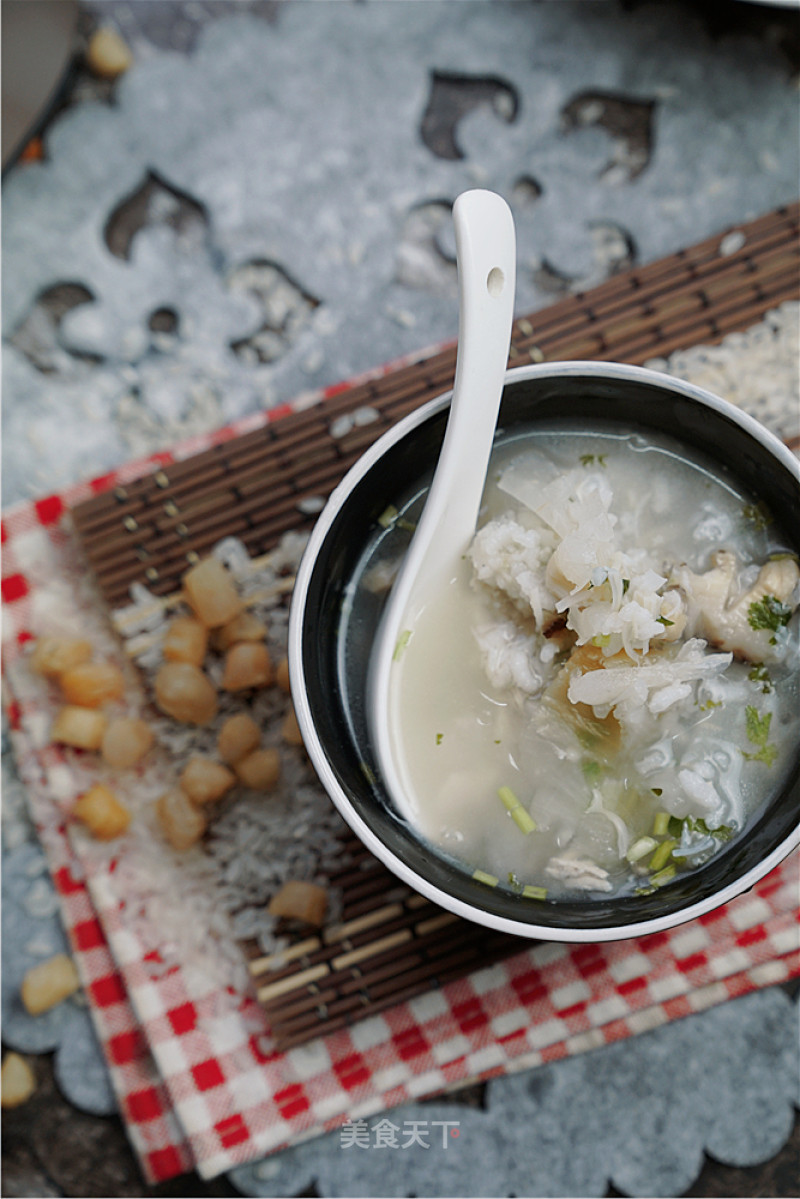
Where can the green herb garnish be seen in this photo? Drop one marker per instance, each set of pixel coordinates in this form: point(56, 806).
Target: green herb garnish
point(531, 892)
point(696, 824)
point(760, 674)
point(439, 737)
point(592, 771)
point(758, 515)
point(590, 459)
point(709, 704)
point(768, 613)
point(481, 876)
point(758, 734)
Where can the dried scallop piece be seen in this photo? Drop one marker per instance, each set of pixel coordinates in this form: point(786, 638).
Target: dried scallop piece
point(105, 816)
point(183, 692)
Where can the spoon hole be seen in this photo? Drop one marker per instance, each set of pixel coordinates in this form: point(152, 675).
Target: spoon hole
point(495, 281)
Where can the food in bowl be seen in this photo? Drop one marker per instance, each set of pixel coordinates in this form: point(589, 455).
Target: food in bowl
point(607, 692)
point(341, 591)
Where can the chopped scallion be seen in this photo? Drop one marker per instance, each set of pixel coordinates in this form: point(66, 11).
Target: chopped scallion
point(641, 848)
point(388, 517)
point(661, 824)
point(531, 892)
point(662, 854)
point(402, 642)
point(509, 798)
point(663, 876)
point(481, 876)
point(523, 819)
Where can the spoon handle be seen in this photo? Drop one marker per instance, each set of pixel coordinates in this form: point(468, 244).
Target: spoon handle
point(486, 253)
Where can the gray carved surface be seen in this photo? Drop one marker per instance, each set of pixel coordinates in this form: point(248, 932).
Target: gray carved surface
point(294, 224)
point(638, 1115)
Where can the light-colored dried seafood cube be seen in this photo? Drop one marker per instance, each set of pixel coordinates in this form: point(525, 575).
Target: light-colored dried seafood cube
point(49, 983)
point(247, 665)
point(297, 900)
point(290, 729)
point(282, 675)
point(205, 780)
point(260, 769)
point(107, 54)
point(211, 593)
point(82, 728)
point(17, 1081)
point(92, 684)
point(244, 627)
point(125, 741)
point(182, 823)
point(185, 693)
point(238, 736)
point(102, 812)
point(186, 640)
point(53, 655)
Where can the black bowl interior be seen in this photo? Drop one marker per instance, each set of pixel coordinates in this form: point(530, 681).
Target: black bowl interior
point(341, 618)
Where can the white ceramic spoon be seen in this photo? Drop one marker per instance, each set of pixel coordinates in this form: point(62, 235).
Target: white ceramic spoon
point(486, 255)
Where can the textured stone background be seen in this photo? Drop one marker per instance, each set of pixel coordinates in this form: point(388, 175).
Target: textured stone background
point(270, 213)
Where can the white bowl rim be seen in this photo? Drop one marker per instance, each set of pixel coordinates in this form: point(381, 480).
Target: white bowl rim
point(313, 745)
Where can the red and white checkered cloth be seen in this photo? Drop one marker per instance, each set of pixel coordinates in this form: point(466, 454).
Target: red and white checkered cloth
point(198, 1080)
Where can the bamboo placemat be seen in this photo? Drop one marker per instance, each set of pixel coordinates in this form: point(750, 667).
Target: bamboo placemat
point(253, 486)
point(390, 943)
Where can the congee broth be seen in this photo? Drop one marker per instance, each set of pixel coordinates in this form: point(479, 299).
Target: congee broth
point(608, 691)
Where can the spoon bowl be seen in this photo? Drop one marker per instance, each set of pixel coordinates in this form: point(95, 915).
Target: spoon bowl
point(486, 255)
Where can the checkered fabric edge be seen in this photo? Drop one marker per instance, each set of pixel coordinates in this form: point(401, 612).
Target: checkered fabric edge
point(157, 1140)
point(197, 1090)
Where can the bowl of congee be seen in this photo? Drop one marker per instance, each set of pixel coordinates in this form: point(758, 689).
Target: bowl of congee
point(596, 719)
